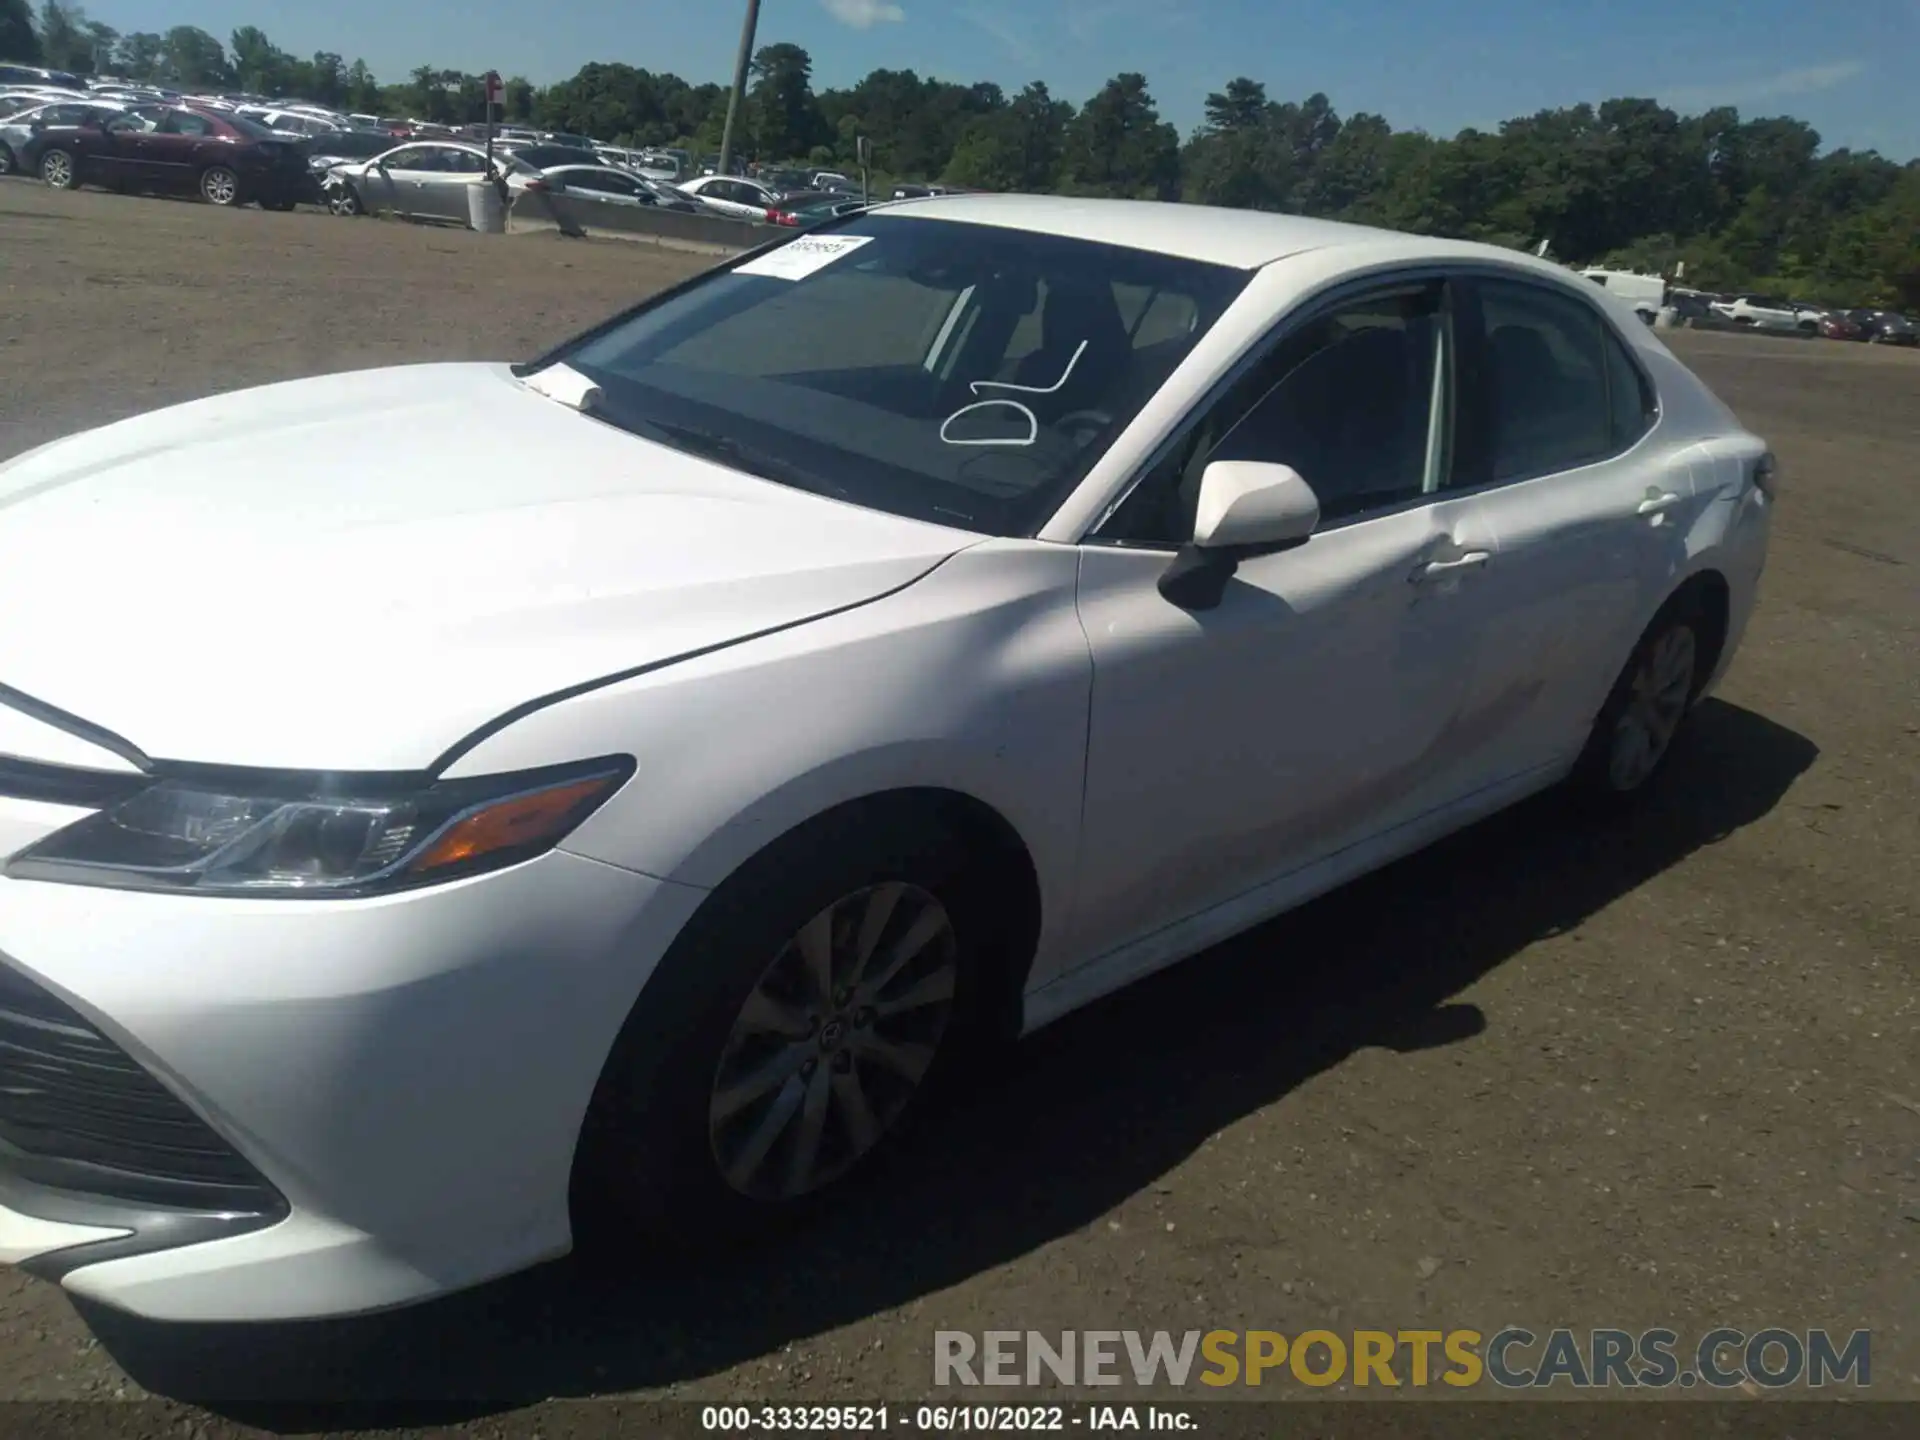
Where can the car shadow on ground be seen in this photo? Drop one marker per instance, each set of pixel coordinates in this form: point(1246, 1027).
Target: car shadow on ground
point(1028, 1154)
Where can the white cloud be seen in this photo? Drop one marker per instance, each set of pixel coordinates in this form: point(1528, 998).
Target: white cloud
point(864, 14)
point(1804, 81)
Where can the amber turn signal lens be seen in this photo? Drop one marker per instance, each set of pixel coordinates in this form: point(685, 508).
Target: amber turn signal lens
point(514, 823)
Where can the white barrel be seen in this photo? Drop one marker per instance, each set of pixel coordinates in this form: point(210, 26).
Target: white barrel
point(485, 212)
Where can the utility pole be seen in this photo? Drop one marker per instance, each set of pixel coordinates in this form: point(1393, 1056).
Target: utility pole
point(740, 66)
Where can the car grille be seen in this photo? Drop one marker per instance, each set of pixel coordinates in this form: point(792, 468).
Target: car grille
point(78, 1113)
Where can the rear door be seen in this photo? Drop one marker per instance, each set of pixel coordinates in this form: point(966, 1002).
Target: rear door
point(442, 190)
point(170, 155)
point(1588, 502)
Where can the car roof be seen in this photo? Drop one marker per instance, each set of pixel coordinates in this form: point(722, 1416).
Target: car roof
point(1243, 239)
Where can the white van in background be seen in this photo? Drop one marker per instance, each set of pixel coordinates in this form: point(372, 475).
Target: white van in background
point(1646, 293)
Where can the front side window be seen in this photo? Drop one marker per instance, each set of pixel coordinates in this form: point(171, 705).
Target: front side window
point(1355, 400)
point(1547, 379)
point(964, 374)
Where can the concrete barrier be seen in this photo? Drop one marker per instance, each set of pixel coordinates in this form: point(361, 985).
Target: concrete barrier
point(712, 234)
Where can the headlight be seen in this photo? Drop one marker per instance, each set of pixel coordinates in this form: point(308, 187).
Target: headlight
point(343, 838)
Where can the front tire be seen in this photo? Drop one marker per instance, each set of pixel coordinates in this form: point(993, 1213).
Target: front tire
point(1632, 739)
point(805, 1013)
point(219, 186)
point(60, 170)
point(6, 159)
point(345, 202)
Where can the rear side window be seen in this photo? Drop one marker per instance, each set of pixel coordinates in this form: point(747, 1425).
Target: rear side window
point(1547, 371)
point(1629, 397)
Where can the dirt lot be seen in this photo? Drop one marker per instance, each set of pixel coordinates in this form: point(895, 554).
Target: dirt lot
point(1666, 1072)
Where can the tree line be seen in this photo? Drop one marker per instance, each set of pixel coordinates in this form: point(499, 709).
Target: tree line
point(1744, 203)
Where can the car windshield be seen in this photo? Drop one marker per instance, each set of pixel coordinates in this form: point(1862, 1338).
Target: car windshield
point(967, 375)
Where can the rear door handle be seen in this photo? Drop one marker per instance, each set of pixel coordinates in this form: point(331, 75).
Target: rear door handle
point(1655, 504)
point(1441, 569)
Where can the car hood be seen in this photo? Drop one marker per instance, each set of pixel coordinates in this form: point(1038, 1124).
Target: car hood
point(358, 571)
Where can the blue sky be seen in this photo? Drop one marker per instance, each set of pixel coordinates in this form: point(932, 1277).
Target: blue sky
point(1850, 67)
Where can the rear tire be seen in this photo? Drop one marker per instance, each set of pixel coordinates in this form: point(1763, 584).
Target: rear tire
point(1632, 738)
point(219, 186)
point(744, 1086)
point(60, 170)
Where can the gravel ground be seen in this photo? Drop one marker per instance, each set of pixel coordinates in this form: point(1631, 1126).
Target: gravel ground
point(1662, 1072)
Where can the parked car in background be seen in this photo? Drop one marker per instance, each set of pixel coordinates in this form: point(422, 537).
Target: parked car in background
point(1841, 327)
point(19, 128)
point(910, 191)
point(1762, 312)
point(811, 208)
point(593, 194)
point(35, 75)
point(733, 195)
point(833, 180)
point(223, 159)
point(1647, 294)
point(544, 154)
point(755, 728)
point(561, 137)
point(289, 122)
point(422, 180)
point(1886, 327)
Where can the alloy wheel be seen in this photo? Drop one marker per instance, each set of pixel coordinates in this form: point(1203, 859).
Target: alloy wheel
point(220, 186)
point(1661, 688)
point(57, 170)
point(833, 1042)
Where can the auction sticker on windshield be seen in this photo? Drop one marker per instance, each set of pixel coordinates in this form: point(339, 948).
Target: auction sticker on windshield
point(800, 258)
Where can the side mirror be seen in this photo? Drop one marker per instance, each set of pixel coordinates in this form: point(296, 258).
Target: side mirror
point(1246, 508)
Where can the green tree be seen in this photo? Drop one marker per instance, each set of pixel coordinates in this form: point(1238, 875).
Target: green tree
point(516, 98)
point(139, 56)
point(193, 58)
point(785, 119)
point(363, 91)
point(259, 65)
point(19, 41)
point(1015, 149)
point(65, 43)
point(1119, 146)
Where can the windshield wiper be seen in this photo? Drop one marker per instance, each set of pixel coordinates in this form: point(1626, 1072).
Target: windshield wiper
point(711, 445)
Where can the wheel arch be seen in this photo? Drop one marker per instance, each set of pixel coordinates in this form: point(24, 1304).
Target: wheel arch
point(990, 839)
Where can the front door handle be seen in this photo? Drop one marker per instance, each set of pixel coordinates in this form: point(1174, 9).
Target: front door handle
point(1441, 569)
point(1656, 504)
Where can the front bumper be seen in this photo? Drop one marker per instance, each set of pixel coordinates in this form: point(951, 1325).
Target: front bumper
point(390, 1090)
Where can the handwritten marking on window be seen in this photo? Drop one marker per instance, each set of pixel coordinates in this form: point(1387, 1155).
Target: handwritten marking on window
point(996, 402)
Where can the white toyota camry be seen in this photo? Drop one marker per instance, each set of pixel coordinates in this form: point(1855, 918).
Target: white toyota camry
point(454, 812)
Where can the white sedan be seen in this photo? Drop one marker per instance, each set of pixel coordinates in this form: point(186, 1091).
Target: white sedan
point(602, 792)
point(733, 195)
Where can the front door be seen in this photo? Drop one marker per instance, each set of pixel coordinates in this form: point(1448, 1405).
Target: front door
point(1322, 701)
point(380, 187)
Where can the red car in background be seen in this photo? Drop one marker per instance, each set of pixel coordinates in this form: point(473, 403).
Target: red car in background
point(223, 159)
point(1839, 327)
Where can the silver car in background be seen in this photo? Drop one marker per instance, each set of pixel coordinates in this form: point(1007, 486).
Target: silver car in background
point(421, 180)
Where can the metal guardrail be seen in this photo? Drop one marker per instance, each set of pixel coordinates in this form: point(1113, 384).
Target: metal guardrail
point(571, 216)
